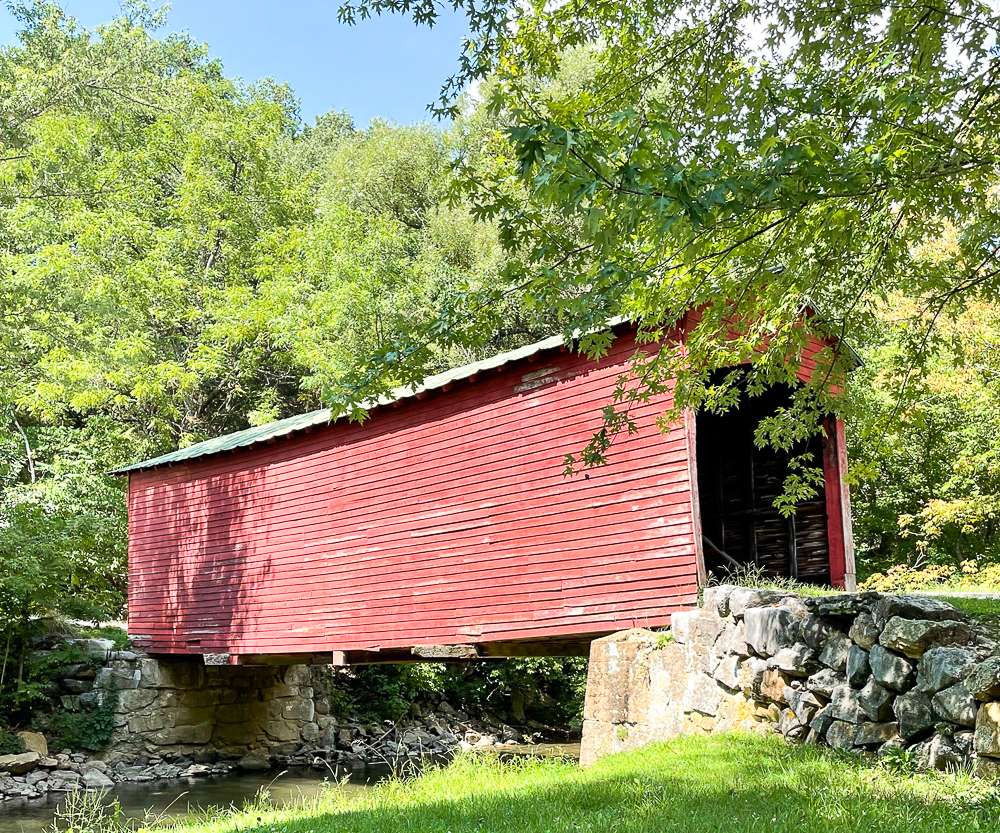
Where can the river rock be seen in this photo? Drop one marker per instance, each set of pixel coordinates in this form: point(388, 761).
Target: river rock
point(863, 631)
point(836, 651)
point(858, 668)
point(956, 705)
point(942, 667)
point(875, 701)
point(769, 629)
point(984, 679)
point(19, 764)
point(96, 780)
point(254, 762)
point(889, 669)
point(915, 714)
point(34, 742)
point(64, 780)
point(913, 637)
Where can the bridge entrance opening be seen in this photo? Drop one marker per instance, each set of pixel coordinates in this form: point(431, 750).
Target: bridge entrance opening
point(738, 482)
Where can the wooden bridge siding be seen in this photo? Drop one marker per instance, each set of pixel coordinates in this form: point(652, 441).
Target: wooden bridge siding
point(302, 546)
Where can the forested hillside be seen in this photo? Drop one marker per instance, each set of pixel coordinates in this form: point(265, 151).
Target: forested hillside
point(180, 256)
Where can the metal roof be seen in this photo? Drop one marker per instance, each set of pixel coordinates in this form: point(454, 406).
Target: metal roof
point(281, 428)
point(324, 416)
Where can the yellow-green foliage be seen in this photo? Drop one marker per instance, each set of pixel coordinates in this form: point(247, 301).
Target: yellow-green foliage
point(970, 576)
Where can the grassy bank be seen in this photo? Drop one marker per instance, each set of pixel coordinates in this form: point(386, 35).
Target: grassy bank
point(737, 783)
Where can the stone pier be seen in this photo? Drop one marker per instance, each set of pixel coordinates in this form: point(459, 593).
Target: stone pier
point(856, 671)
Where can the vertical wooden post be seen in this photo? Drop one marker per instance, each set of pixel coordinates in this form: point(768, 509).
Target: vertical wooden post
point(840, 533)
point(691, 436)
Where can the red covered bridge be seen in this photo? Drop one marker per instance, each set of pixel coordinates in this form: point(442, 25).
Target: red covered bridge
point(444, 527)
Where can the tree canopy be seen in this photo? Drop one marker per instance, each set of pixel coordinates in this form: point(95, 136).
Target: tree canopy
point(180, 256)
point(742, 158)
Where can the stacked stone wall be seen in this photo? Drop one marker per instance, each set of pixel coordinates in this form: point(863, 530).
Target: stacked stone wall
point(858, 671)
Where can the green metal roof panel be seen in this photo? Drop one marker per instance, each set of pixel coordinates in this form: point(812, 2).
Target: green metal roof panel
point(281, 428)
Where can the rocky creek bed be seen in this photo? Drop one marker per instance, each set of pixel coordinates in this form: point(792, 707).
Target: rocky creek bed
point(437, 735)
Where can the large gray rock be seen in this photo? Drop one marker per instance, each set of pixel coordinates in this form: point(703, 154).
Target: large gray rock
point(742, 598)
point(984, 679)
point(769, 629)
point(824, 681)
point(822, 721)
point(875, 701)
point(717, 598)
point(942, 667)
point(986, 740)
point(798, 660)
point(728, 672)
point(34, 742)
point(702, 694)
point(844, 605)
point(791, 725)
point(889, 669)
point(944, 754)
point(803, 703)
point(912, 607)
point(19, 764)
point(863, 631)
point(858, 668)
point(95, 780)
point(841, 735)
point(836, 651)
point(913, 637)
point(254, 762)
point(956, 705)
point(844, 705)
point(914, 712)
point(732, 640)
point(815, 632)
point(64, 780)
point(875, 734)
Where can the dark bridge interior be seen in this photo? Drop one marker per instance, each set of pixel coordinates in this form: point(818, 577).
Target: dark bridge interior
point(737, 484)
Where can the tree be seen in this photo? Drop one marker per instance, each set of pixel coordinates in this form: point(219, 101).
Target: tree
point(138, 188)
point(741, 158)
point(932, 490)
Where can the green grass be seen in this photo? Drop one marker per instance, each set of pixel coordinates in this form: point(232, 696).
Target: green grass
point(724, 784)
point(984, 611)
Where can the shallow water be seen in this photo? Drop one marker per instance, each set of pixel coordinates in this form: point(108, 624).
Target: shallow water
point(177, 797)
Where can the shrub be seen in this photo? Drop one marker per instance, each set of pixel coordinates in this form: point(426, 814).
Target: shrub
point(10, 744)
point(903, 578)
point(89, 729)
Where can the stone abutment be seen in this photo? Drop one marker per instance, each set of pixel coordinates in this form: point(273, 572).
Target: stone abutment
point(857, 671)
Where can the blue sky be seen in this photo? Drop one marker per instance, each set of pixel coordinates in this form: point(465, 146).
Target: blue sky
point(383, 67)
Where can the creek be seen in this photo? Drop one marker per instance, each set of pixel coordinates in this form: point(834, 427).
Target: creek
point(173, 798)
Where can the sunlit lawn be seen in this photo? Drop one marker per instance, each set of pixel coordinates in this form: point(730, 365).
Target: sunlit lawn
point(727, 783)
